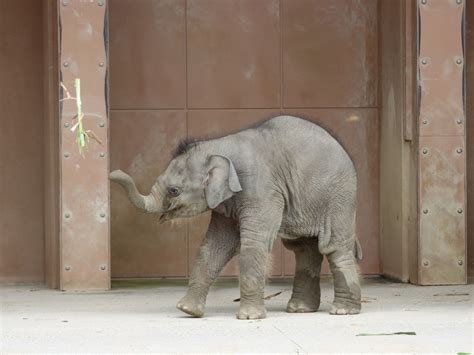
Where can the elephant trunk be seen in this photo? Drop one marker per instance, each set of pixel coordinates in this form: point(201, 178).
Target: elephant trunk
point(146, 203)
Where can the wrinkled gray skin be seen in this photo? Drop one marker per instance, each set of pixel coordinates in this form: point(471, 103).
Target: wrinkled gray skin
point(287, 177)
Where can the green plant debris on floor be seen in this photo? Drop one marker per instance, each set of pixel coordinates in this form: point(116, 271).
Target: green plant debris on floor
point(378, 334)
point(137, 283)
point(451, 294)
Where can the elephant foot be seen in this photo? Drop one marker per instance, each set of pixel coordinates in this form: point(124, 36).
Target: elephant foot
point(341, 308)
point(296, 305)
point(191, 306)
point(251, 312)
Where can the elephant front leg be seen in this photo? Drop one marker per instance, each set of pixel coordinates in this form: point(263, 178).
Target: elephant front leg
point(256, 241)
point(347, 292)
point(306, 295)
point(219, 245)
point(253, 259)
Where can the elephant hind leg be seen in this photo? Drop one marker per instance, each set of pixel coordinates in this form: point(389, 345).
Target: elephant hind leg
point(306, 295)
point(347, 293)
point(336, 241)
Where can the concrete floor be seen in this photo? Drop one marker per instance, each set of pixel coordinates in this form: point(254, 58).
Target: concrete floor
point(141, 317)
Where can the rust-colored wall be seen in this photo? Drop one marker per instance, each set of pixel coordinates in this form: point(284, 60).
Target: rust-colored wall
point(208, 67)
point(470, 133)
point(21, 141)
point(199, 68)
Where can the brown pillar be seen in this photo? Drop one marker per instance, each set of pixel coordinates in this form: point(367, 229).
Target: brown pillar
point(441, 129)
point(84, 247)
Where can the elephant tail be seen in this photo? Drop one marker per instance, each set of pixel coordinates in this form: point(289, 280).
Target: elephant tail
point(358, 250)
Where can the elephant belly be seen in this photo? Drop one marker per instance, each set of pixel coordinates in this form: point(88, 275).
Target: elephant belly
point(287, 236)
point(293, 229)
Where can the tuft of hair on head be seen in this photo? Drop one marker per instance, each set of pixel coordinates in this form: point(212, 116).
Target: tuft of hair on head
point(184, 146)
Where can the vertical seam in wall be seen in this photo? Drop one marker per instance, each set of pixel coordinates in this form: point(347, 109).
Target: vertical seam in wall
point(186, 115)
point(59, 155)
point(379, 117)
point(186, 56)
point(56, 150)
point(403, 74)
point(464, 103)
point(380, 110)
point(107, 122)
point(417, 272)
point(280, 22)
point(45, 98)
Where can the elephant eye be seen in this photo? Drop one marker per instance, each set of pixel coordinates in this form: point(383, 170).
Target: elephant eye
point(173, 192)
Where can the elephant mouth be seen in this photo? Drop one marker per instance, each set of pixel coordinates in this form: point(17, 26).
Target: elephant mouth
point(168, 215)
point(180, 211)
point(164, 218)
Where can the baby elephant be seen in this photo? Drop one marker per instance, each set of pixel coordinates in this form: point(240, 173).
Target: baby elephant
point(286, 177)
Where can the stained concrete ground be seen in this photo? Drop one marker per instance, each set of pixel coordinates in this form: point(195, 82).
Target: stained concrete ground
point(140, 316)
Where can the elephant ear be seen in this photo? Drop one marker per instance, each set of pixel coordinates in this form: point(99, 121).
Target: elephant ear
point(221, 181)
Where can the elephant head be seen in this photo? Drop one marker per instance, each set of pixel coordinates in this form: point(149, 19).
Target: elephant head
point(193, 183)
